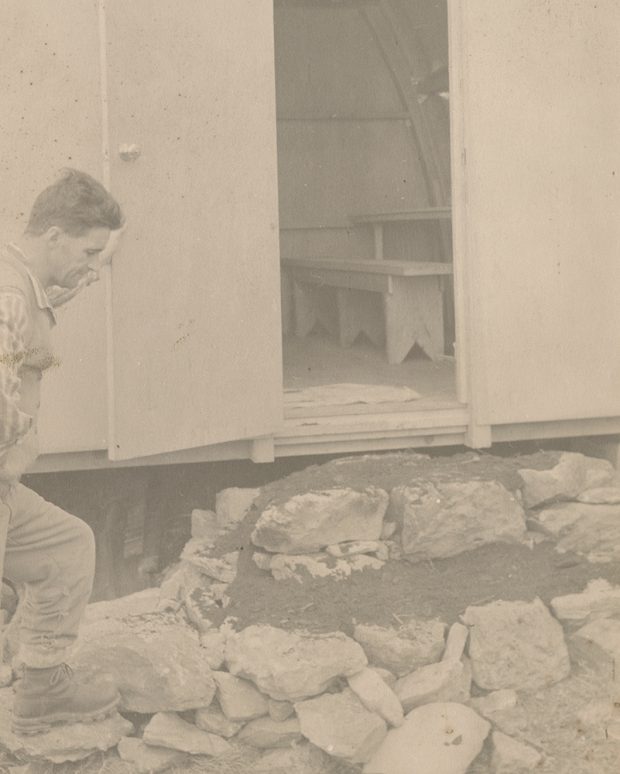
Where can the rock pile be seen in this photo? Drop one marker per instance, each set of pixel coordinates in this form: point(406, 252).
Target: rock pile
point(384, 699)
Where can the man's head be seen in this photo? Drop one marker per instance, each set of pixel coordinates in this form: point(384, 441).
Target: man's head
point(72, 220)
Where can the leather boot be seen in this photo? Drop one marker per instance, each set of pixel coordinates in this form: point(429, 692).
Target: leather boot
point(44, 697)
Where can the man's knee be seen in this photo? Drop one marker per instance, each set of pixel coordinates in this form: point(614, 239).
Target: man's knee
point(85, 537)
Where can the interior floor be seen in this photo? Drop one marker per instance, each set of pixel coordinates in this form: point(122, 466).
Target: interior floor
point(318, 359)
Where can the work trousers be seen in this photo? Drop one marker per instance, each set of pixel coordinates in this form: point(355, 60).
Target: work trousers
point(51, 553)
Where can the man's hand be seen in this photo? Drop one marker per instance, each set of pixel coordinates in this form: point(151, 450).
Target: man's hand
point(58, 296)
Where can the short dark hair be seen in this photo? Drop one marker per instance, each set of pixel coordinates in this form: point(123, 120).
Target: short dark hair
point(75, 203)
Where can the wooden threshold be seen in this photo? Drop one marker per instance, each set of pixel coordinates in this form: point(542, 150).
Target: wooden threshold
point(343, 435)
point(421, 405)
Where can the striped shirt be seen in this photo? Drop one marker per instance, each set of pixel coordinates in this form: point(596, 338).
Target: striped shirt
point(14, 424)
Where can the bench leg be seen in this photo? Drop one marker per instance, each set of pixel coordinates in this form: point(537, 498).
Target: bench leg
point(413, 315)
point(305, 310)
point(358, 312)
point(314, 305)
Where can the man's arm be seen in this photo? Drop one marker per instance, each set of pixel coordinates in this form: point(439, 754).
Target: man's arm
point(14, 423)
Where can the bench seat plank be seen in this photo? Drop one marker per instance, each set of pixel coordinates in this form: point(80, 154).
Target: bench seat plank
point(424, 213)
point(395, 268)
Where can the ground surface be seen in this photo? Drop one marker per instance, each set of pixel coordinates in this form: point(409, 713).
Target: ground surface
point(401, 590)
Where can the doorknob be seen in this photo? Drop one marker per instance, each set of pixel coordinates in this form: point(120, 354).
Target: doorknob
point(129, 151)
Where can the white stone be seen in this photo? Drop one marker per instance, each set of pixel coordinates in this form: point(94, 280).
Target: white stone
point(262, 560)
point(503, 710)
point(304, 758)
point(238, 698)
point(597, 712)
point(496, 701)
point(155, 660)
point(204, 525)
point(267, 732)
point(516, 645)
point(388, 677)
point(602, 495)
point(69, 742)
point(199, 606)
point(145, 601)
point(232, 505)
point(573, 474)
point(146, 759)
point(289, 665)
point(448, 680)
point(352, 547)
point(556, 520)
point(280, 710)
point(455, 642)
point(321, 565)
point(599, 600)
point(220, 568)
point(339, 724)
point(213, 720)
point(597, 646)
point(440, 738)
point(401, 650)
point(376, 696)
point(311, 521)
point(510, 756)
point(447, 518)
point(166, 729)
point(590, 530)
point(177, 581)
point(214, 644)
point(389, 528)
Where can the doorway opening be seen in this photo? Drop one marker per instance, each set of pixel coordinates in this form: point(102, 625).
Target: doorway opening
point(364, 196)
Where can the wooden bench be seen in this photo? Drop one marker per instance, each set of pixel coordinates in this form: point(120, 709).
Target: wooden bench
point(378, 221)
point(411, 311)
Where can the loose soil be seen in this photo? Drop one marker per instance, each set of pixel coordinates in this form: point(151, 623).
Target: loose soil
point(402, 590)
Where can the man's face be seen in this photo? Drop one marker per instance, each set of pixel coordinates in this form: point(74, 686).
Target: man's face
point(72, 257)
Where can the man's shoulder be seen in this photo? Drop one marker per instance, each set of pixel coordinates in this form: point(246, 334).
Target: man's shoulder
point(11, 278)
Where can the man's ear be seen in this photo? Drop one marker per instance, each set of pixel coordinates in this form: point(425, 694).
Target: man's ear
point(52, 235)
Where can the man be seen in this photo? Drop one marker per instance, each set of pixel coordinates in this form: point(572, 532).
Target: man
point(46, 549)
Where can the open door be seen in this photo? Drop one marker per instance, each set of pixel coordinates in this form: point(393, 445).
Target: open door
point(537, 204)
point(195, 310)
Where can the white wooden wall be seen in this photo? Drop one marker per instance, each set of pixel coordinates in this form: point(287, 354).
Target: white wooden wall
point(537, 215)
point(51, 118)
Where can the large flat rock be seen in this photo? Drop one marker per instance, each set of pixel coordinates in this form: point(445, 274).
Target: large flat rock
point(167, 729)
point(156, 661)
point(402, 649)
point(516, 645)
point(590, 530)
point(448, 518)
point(289, 665)
point(339, 724)
point(573, 474)
point(314, 520)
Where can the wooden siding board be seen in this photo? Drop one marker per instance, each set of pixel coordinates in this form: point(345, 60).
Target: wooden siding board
point(196, 311)
point(50, 119)
point(542, 201)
